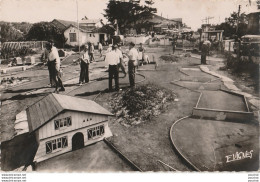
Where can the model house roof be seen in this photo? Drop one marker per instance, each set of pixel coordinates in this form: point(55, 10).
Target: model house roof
point(50, 106)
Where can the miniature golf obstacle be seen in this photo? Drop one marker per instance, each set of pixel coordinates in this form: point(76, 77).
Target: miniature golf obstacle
point(29, 60)
point(18, 61)
point(63, 123)
point(222, 105)
point(195, 79)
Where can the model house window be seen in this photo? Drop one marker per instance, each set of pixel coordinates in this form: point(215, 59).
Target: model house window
point(95, 132)
point(73, 37)
point(56, 144)
point(62, 123)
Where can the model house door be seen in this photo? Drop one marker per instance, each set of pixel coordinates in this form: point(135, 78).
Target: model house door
point(77, 141)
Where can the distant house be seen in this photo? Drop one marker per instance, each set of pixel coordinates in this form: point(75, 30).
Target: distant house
point(63, 24)
point(90, 24)
point(90, 30)
point(94, 36)
point(209, 33)
point(64, 123)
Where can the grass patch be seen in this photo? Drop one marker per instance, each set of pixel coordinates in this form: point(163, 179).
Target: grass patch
point(135, 106)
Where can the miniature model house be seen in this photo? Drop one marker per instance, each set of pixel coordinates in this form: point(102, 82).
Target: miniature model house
point(64, 123)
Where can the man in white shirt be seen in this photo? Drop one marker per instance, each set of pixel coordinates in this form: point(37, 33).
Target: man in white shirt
point(84, 67)
point(54, 61)
point(112, 59)
point(141, 51)
point(133, 57)
point(91, 51)
point(121, 64)
point(100, 48)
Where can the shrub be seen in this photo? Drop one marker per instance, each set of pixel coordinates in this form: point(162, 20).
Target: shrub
point(140, 104)
point(243, 64)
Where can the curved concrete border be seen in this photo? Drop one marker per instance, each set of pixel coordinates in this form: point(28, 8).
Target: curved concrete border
point(174, 145)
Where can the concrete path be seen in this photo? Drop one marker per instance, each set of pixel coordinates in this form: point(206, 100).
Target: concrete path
point(209, 58)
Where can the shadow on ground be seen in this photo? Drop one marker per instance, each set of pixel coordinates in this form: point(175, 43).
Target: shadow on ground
point(19, 151)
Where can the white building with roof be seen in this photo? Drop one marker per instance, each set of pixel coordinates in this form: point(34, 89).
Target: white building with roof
point(92, 36)
point(64, 123)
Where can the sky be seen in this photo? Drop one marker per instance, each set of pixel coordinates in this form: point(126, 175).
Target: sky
point(191, 11)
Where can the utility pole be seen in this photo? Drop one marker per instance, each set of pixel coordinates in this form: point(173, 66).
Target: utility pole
point(207, 19)
point(238, 14)
point(78, 22)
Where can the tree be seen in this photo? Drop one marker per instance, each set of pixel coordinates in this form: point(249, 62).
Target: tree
point(234, 26)
point(9, 33)
point(128, 14)
point(44, 31)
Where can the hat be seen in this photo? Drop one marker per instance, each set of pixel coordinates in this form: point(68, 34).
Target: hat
point(50, 41)
point(132, 44)
point(48, 45)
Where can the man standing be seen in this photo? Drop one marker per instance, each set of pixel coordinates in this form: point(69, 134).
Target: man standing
point(54, 61)
point(141, 51)
point(84, 67)
point(133, 57)
point(204, 52)
point(100, 48)
point(44, 58)
point(173, 45)
point(112, 59)
point(120, 55)
point(91, 51)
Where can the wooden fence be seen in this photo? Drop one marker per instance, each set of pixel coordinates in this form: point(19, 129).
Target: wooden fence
point(19, 45)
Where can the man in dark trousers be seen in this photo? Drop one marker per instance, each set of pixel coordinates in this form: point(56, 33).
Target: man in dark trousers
point(44, 58)
point(121, 64)
point(54, 60)
point(204, 52)
point(112, 59)
point(174, 42)
point(133, 58)
point(84, 67)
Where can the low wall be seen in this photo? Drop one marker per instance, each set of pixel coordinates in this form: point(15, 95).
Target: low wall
point(137, 40)
point(222, 115)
